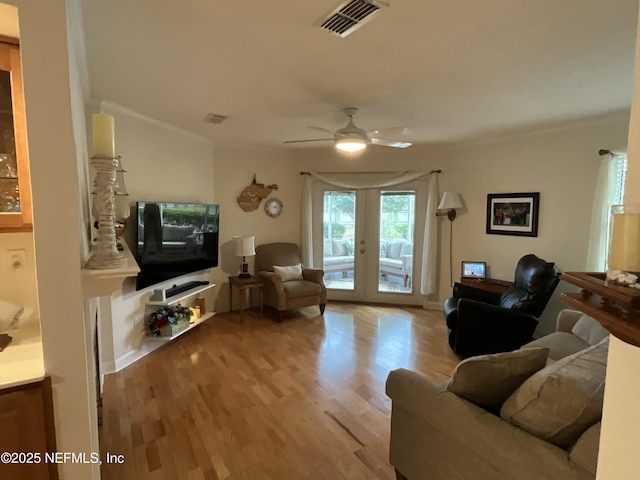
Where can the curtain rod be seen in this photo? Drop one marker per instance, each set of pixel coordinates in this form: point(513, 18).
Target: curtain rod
point(309, 173)
point(603, 151)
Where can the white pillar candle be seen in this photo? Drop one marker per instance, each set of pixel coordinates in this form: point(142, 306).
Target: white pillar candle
point(103, 137)
point(624, 247)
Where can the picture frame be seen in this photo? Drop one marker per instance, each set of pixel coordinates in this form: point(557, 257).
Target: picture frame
point(513, 214)
point(477, 270)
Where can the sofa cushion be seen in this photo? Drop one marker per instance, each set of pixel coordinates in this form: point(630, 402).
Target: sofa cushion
point(339, 248)
point(300, 288)
point(589, 330)
point(488, 380)
point(561, 401)
point(293, 272)
point(560, 344)
point(585, 451)
point(394, 249)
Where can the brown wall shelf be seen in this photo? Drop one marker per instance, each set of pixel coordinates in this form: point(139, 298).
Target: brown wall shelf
point(616, 307)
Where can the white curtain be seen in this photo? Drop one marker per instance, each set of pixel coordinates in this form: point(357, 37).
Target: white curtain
point(306, 238)
point(428, 271)
point(605, 196)
point(429, 279)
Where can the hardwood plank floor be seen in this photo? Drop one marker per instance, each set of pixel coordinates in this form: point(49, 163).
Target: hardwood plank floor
point(303, 399)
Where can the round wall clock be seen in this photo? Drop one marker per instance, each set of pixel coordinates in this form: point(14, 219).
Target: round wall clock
point(273, 207)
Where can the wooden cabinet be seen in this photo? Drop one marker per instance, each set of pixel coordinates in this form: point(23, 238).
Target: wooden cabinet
point(27, 432)
point(15, 185)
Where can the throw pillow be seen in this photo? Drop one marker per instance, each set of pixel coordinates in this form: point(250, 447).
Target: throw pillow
point(589, 330)
point(293, 272)
point(561, 401)
point(488, 380)
point(339, 248)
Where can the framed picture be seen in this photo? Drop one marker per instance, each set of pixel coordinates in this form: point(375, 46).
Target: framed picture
point(474, 269)
point(513, 214)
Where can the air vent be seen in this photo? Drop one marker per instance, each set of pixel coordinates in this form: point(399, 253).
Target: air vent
point(215, 118)
point(348, 18)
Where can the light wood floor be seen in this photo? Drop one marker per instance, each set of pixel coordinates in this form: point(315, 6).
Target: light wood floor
point(261, 400)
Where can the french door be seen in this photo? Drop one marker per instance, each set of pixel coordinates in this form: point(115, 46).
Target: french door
point(369, 242)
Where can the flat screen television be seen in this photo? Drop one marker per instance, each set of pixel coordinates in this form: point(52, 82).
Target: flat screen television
point(174, 239)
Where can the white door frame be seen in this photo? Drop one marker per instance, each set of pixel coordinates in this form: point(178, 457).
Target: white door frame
point(366, 265)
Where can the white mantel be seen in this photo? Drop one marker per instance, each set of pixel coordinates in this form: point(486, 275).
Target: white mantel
point(104, 282)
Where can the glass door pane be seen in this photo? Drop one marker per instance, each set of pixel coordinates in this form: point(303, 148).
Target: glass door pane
point(339, 221)
point(397, 239)
point(9, 191)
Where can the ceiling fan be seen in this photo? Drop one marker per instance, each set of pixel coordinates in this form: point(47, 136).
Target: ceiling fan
point(353, 139)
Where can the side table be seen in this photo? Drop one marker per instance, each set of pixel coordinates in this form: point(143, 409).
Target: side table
point(487, 284)
point(243, 284)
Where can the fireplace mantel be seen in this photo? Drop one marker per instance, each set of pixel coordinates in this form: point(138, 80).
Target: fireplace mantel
point(616, 307)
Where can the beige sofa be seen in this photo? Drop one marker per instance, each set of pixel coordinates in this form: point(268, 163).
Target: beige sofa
point(532, 414)
point(338, 256)
point(397, 260)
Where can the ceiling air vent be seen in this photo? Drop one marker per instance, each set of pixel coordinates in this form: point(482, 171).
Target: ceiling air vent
point(351, 16)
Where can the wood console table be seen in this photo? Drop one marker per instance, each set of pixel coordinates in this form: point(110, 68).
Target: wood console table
point(616, 307)
point(243, 284)
point(488, 284)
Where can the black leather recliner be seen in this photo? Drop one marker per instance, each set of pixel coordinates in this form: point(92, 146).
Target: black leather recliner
point(482, 322)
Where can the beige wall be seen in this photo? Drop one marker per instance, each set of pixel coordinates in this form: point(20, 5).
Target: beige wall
point(619, 439)
point(561, 165)
point(234, 170)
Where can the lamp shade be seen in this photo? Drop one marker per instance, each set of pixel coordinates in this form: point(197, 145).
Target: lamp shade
point(450, 201)
point(244, 246)
point(351, 144)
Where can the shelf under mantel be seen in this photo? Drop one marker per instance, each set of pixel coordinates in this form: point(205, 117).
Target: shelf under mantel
point(616, 307)
point(103, 282)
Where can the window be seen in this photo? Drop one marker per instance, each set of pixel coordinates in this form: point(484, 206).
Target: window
point(609, 191)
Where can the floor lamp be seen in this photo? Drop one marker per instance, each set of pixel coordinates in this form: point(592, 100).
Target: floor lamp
point(449, 202)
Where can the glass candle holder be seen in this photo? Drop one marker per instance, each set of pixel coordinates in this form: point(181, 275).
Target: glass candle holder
point(623, 266)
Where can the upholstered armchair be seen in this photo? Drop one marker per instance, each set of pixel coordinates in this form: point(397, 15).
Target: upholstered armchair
point(482, 322)
point(287, 285)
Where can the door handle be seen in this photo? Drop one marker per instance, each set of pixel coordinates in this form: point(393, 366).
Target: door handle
point(362, 250)
point(362, 242)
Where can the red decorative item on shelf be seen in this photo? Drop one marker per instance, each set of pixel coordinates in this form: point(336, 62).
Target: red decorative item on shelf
point(168, 314)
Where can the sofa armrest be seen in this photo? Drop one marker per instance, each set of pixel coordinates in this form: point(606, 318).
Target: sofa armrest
point(407, 263)
point(437, 435)
point(472, 293)
point(272, 279)
point(567, 319)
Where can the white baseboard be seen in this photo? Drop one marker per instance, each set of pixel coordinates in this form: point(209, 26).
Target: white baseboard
point(433, 305)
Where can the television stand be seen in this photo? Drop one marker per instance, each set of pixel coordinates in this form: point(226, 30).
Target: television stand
point(176, 289)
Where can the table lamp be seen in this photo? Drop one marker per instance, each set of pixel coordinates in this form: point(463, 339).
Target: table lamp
point(244, 248)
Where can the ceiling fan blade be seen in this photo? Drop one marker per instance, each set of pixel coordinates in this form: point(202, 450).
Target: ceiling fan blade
point(320, 129)
point(390, 131)
point(390, 143)
point(310, 140)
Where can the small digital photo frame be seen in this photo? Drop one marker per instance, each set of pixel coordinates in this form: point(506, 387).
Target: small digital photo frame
point(474, 269)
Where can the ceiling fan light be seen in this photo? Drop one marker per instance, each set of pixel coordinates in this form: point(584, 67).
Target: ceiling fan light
point(350, 144)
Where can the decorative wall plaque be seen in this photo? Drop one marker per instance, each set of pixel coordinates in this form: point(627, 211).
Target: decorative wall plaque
point(252, 195)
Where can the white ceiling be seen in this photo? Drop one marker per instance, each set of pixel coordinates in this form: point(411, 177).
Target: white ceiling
point(451, 70)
